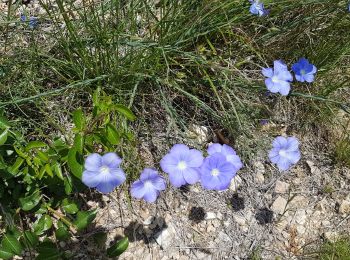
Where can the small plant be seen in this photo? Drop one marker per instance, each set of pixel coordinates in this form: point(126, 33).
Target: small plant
point(338, 250)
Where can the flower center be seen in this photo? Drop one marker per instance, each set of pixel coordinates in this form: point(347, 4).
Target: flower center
point(182, 165)
point(275, 79)
point(282, 153)
point(302, 72)
point(215, 172)
point(147, 184)
point(104, 170)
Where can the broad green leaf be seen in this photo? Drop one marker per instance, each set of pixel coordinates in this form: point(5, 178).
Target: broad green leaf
point(62, 234)
point(43, 156)
point(4, 123)
point(11, 244)
point(79, 119)
point(48, 251)
point(15, 167)
point(29, 202)
point(75, 156)
point(68, 186)
point(44, 223)
point(69, 207)
point(125, 111)
point(84, 218)
point(112, 135)
point(34, 145)
point(30, 239)
point(118, 248)
point(3, 136)
point(4, 254)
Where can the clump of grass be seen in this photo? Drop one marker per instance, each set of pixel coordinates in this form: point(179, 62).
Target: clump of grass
point(342, 151)
point(338, 250)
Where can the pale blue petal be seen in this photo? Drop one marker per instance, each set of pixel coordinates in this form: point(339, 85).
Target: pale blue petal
point(294, 157)
point(279, 65)
point(274, 155)
point(151, 195)
point(292, 144)
point(195, 158)
point(169, 163)
point(228, 150)
point(91, 178)
point(109, 181)
point(191, 175)
point(283, 164)
point(279, 142)
point(112, 160)
point(214, 148)
point(158, 183)
point(179, 150)
point(274, 88)
point(176, 178)
point(148, 173)
point(309, 77)
point(284, 88)
point(93, 162)
point(137, 189)
point(299, 78)
point(267, 72)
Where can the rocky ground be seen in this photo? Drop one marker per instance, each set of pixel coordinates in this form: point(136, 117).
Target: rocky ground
point(283, 215)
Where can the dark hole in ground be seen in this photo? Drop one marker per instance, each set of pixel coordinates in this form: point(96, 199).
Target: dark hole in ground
point(185, 188)
point(137, 231)
point(197, 214)
point(264, 216)
point(237, 202)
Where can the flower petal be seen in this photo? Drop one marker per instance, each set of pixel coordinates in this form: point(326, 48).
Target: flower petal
point(148, 173)
point(279, 142)
point(309, 77)
point(292, 144)
point(177, 179)
point(283, 164)
point(179, 150)
point(151, 195)
point(109, 181)
point(194, 158)
point(169, 163)
point(137, 189)
point(112, 160)
point(267, 72)
point(294, 157)
point(159, 183)
point(191, 175)
point(214, 148)
point(274, 155)
point(93, 162)
point(91, 178)
point(284, 88)
point(274, 88)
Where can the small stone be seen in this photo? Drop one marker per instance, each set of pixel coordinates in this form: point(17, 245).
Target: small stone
point(62, 244)
point(326, 223)
point(148, 220)
point(219, 215)
point(92, 204)
point(210, 215)
point(331, 236)
point(301, 229)
point(165, 237)
point(199, 134)
point(210, 228)
point(300, 216)
point(105, 198)
point(240, 220)
point(259, 178)
point(281, 187)
point(344, 207)
point(235, 183)
point(279, 205)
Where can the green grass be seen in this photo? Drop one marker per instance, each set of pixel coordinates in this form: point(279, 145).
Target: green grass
point(339, 250)
point(194, 60)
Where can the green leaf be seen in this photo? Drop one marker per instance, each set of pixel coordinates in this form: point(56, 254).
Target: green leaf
point(118, 248)
point(112, 134)
point(48, 251)
point(125, 111)
point(75, 156)
point(43, 156)
point(4, 254)
point(15, 167)
point(3, 136)
point(68, 186)
point(35, 144)
point(4, 123)
point(31, 239)
point(79, 119)
point(69, 207)
point(11, 244)
point(62, 234)
point(58, 170)
point(44, 223)
point(84, 218)
point(29, 202)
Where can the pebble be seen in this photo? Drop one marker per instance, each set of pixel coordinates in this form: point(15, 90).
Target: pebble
point(165, 237)
point(281, 187)
point(235, 183)
point(279, 205)
point(344, 207)
point(210, 215)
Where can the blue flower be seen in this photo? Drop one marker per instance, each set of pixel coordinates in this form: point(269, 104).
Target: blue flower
point(23, 18)
point(304, 71)
point(278, 79)
point(182, 165)
point(217, 172)
point(33, 22)
point(148, 186)
point(257, 8)
point(103, 172)
point(285, 152)
point(228, 152)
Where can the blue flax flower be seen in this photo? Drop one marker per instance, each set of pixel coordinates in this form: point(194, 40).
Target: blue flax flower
point(278, 79)
point(33, 22)
point(103, 172)
point(257, 8)
point(228, 152)
point(148, 186)
point(304, 71)
point(217, 172)
point(285, 152)
point(182, 165)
